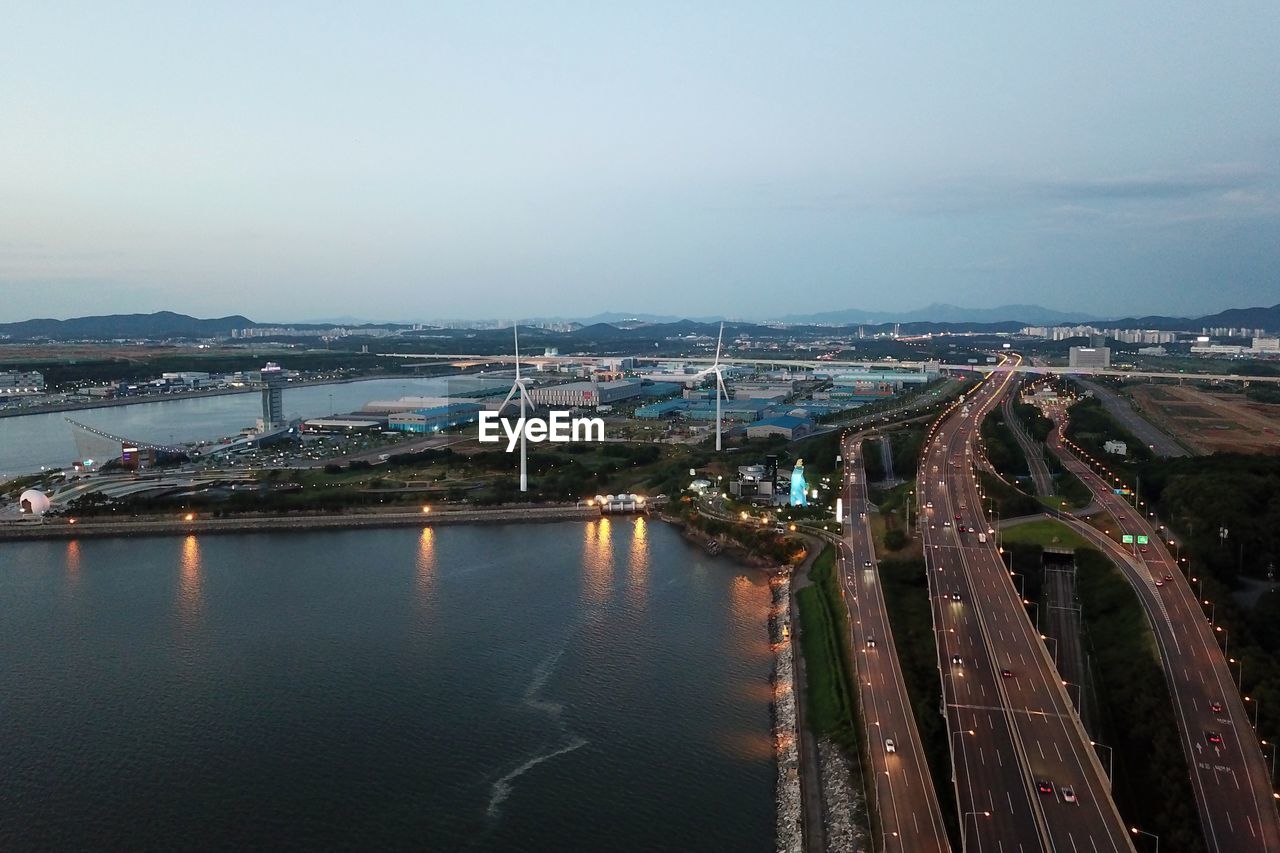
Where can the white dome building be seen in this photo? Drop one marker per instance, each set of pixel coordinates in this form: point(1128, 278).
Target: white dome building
point(34, 502)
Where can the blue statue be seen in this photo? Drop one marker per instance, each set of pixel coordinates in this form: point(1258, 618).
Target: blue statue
point(799, 488)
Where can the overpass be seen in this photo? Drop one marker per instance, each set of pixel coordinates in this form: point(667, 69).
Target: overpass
point(474, 360)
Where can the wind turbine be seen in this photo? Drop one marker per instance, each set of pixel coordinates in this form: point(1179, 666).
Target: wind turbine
point(518, 388)
point(720, 389)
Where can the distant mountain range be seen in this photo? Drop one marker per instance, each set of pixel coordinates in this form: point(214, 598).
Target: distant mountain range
point(936, 318)
point(1032, 315)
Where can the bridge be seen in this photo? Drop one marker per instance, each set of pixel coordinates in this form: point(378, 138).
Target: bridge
point(473, 360)
point(96, 446)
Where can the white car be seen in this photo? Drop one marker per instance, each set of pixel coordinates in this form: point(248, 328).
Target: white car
point(1068, 794)
point(889, 746)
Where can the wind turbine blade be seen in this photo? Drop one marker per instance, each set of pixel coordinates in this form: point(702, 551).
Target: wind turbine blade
point(515, 330)
point(719, 338)
point(510, 394)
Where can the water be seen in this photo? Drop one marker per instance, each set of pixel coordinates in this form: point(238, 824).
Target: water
point(568, 687)
point(30, 442)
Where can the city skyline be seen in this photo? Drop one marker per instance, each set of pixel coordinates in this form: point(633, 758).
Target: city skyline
point(711, 161)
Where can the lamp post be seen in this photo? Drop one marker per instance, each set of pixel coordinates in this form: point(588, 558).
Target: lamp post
point(964, 827)
point(1137, 831)
point(1256, 706)
point(1239, 672)
point(952, 738)
point(1273, 759)
point(1110, 762)
point(1226, 637)
point(1047, 638)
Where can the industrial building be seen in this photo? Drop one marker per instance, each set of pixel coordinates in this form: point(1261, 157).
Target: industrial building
point(586, 395)
point(1089, 357)
point(15, 384)
point(788, 426)
point(434, 419)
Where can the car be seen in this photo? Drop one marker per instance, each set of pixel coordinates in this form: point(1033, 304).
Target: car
point(957, 518)
point(1068, 794)
point(1007, 673)
point(946, 524)
point(1213, 738)
point(1215, 706)
point(1168, 578)
point(871, 642)
point(956, 660)
point(1143, 549)
point(1045, 787)
point(928, 505)
point(1159, 582)
point(955, 596)
point(866, 564)
point(889, 746)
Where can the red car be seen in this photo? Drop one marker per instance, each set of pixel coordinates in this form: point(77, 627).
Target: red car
point(1214, 738)
point(1215, 707)
point(1045, 787)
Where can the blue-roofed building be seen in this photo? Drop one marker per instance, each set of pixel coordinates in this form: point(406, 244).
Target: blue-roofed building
point(435, 418)
point(788, 426)
point(660, 389)
point(654, 411)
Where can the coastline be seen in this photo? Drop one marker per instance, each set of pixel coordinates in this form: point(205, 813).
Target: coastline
point(60, 529)
point(53, 408)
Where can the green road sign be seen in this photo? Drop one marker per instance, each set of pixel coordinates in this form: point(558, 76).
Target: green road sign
point(1142, 540)
point(1126, 538)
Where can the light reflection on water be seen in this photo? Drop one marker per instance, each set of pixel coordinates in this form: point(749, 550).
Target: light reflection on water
point(366, 689)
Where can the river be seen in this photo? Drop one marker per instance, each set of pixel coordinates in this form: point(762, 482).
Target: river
point(29, 443)
point(569, 686)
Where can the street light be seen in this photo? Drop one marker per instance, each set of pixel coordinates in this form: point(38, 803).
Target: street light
point(1256, 706)
point(1110, 763)
point(1137, 831)
point(964, 827)
point(1239, 672)
point(1226, 636)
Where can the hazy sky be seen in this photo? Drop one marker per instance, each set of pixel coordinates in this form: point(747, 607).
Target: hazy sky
point(408, 161)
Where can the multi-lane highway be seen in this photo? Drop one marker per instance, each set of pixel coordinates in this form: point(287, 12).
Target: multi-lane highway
point(1026, 777)
point(1122, 410)
point(1230, 779)
point(907, 814)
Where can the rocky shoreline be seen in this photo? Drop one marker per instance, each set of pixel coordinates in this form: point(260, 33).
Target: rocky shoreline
point(790, 822)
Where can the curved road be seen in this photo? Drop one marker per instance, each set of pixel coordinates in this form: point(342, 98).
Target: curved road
point(1231, 781)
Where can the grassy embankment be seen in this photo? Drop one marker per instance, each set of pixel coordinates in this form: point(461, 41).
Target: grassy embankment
point(823, 639)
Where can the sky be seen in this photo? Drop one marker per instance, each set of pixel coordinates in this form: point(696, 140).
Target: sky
point(385, 161)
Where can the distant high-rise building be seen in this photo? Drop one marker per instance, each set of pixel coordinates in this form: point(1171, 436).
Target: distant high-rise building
point(1089, 357)
point(1097, 341)
point(273, 382)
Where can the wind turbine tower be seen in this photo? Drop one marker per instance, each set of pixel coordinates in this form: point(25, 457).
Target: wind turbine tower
point(518, 389)
point(720, 389)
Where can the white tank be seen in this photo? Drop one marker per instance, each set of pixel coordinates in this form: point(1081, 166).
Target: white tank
point(34, 501)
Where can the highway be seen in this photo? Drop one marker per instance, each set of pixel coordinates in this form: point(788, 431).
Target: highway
point(908, 816)
point(1231, 781)
point(1122, 410)
point(1012, 725)
point(1035, 455)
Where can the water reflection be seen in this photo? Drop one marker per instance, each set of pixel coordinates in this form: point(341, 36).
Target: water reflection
point(73, 557)
point(638, 567)
point(597, 559)
point(425, 576)
point(190, 600)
